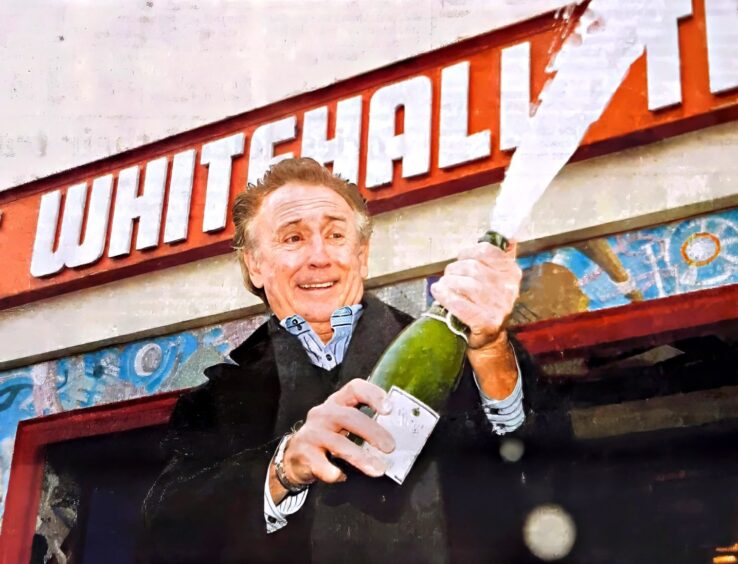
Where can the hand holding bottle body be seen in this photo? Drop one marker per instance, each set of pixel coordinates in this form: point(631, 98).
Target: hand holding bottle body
point(324, 432)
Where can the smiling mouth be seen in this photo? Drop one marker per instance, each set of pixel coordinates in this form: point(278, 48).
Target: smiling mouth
point(316, 286)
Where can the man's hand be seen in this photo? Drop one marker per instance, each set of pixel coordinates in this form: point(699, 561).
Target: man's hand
point(324, 431)
point(481, 289)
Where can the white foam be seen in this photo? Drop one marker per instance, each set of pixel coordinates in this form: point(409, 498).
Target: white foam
point(590, 66)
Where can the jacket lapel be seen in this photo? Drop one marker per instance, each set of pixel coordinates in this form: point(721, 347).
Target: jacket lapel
point(377, 328)
point(302, 385)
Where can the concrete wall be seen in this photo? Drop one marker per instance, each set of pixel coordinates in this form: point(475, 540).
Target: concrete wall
point(85, 80)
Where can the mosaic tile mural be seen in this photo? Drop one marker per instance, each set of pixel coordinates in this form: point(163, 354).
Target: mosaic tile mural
point(651, 263)
point(666, 260)
point(111, 374)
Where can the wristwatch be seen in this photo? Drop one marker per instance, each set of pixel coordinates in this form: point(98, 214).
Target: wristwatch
point(279, 468)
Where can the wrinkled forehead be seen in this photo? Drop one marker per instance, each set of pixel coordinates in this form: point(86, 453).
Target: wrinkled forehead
point(297, 203)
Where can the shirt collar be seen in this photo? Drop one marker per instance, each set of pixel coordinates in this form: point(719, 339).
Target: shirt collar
point(346, 316)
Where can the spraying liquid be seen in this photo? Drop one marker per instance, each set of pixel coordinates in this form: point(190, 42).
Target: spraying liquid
point(421, 367)
point(590, 67)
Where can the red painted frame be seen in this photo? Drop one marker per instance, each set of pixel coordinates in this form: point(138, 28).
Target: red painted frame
point(568, 334)
point(639, 319)
point(32, 436)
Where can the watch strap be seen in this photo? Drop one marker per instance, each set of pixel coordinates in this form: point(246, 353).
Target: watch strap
point(280, 471)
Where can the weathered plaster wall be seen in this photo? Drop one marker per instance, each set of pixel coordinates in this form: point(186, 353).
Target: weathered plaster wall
point(84, 80)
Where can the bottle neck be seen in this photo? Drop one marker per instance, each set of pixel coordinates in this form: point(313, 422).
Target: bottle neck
point(440, 313)
point(437, 311)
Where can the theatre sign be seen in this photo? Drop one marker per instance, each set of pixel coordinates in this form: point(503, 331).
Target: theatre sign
point(426, 127)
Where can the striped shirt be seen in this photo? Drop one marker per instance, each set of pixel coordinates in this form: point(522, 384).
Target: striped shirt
point(504, 415)
point(328, 356)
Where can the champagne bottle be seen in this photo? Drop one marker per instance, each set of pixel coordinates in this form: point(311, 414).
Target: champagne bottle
point(419, 371)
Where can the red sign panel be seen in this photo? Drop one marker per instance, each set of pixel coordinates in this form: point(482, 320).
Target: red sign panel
point(423, 128)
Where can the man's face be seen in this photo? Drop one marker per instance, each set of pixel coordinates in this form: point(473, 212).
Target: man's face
point(307, 253)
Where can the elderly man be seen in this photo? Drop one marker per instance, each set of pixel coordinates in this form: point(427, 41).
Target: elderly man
point(264, 440)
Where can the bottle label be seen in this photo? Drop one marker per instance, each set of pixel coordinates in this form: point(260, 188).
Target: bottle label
point(410, 423)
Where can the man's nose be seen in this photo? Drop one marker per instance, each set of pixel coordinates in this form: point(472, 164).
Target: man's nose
point(319, 255)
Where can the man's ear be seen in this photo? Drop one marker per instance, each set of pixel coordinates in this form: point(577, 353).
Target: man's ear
point(364, 259)
point(254, 268)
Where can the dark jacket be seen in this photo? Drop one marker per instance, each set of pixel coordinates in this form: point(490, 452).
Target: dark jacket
point(207, 506)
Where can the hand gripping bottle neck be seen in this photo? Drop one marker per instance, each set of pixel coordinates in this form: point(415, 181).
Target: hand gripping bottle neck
point(437, 311)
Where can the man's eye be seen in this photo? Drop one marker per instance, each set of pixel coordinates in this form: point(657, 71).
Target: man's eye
point(292, 239)
point(336, 235)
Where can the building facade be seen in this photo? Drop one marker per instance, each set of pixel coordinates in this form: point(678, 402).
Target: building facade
point(120, 284)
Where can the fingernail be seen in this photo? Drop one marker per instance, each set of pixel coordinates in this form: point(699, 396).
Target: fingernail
point(387, 445)
point(377, 466)
point(386, 407)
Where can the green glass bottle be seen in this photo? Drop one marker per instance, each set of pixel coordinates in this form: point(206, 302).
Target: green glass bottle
point(419, 370)
point(425, 359)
